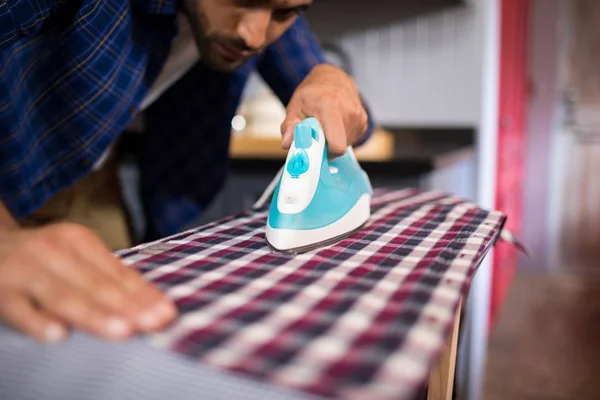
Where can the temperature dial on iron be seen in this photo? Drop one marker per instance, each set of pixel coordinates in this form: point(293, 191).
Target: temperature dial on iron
point(298, 163)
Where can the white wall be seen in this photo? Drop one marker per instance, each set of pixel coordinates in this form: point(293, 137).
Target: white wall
point(474, 354)
point(415, 70)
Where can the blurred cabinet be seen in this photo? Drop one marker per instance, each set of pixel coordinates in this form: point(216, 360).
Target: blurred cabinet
point(579, 188)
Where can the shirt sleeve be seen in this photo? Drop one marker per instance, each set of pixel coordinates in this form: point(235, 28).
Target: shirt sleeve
point(23, 17)
point(288, 60)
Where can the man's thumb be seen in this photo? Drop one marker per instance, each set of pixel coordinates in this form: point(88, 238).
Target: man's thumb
point(287, 130)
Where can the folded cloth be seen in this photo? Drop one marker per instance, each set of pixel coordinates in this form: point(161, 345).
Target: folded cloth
point(362, 318)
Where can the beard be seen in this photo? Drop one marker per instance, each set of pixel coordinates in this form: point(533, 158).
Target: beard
point(209, 43)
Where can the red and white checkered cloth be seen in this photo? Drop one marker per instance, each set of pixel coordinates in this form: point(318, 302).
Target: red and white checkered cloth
point(363, 318)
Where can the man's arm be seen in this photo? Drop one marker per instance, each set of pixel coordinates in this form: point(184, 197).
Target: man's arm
point(6, 220)
point(289, 60)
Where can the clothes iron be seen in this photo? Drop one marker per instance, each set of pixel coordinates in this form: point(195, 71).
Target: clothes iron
point(316, 201)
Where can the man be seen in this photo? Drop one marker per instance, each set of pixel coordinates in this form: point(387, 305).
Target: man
point(74, 73)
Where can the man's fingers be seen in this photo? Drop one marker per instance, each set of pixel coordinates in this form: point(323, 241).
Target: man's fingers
point(71, 267)
point(287, 130)
point(155, 309)
point(76, 308)
point(19, 311)
point(333, 125)
point(294, 115)
point(335, 131)
point(152, 308)
point(358, 125)
point(148, 308)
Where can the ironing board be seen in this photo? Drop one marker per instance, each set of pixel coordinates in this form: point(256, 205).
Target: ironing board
point(366, 318)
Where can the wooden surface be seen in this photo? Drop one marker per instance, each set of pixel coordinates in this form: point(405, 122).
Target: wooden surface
point(379, 148)
point(441, 378)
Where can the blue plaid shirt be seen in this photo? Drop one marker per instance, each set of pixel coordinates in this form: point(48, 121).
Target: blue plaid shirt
point(72, 76)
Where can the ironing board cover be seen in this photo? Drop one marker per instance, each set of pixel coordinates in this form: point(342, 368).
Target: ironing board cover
point(363, 318)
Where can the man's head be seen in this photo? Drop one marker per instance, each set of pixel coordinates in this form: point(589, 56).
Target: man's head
point(229, 32)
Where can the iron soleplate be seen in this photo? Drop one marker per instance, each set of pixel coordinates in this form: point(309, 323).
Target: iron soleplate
point(309, 247)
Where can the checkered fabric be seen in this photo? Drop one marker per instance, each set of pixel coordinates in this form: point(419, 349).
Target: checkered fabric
point(363, 318)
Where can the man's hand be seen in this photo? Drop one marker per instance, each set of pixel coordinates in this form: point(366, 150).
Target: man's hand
point(331, 96)
point(62, 276)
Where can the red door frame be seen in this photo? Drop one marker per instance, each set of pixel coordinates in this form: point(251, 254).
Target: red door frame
point(511, 140)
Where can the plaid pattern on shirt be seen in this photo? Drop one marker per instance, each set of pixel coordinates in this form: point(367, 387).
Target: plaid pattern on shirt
point(363, 318)
point(72, 77)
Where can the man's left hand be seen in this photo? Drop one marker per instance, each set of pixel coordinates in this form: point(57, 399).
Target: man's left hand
point(332, 97)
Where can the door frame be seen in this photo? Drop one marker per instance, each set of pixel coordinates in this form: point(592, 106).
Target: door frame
point(472, 357)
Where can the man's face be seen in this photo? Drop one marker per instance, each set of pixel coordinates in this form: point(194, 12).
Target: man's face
point(229, 32)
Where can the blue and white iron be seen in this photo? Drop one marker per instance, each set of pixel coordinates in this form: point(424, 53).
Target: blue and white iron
point(316, 201)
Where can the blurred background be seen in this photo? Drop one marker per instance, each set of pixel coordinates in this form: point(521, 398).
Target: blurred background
point(497, 101)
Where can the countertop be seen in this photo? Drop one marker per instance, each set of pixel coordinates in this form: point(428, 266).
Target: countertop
point(398, 153)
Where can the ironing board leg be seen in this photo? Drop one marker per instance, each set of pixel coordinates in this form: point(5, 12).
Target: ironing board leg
point(441, 378)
